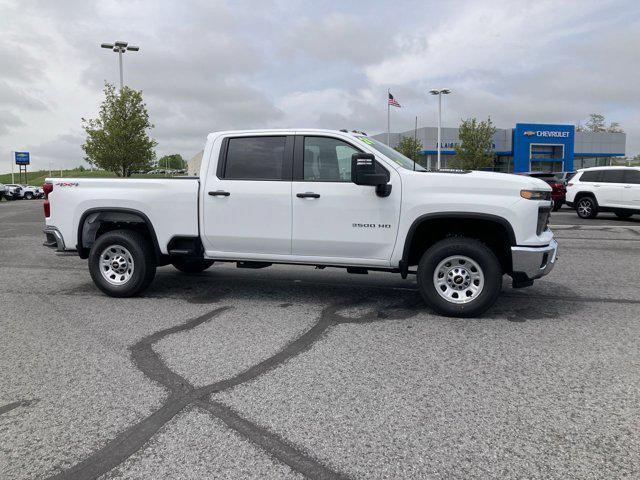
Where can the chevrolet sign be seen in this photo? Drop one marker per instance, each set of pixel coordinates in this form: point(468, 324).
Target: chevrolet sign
point(546, 133)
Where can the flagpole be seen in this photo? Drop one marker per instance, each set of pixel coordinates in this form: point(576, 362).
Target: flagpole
point(388, 118)
point(415, 142)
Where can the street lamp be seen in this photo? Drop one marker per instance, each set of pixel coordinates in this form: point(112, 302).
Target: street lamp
point(442, 91)
point(120, 47)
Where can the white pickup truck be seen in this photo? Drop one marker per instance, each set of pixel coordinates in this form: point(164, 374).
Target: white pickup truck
point(311, 197)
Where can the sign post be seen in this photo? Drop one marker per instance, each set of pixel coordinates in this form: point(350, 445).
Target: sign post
point(22, 160)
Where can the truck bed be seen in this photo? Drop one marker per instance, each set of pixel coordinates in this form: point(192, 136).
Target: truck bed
point(170, 204)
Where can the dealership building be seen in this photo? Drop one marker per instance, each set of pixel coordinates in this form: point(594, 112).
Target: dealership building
point(527, 147)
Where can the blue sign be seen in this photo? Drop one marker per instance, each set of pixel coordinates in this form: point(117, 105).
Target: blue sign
point(534, 143)
point(22, 158)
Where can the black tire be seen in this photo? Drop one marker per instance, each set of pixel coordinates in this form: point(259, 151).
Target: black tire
point(623, 214)
point(557, 204)
point(28, 196)
point(587, 207)
point(192, 265)
point(144, 262)
point(478, 252)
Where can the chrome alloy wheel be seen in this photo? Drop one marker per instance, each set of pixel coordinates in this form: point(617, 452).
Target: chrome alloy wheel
point(458, 279)
point(116, 264)
point(584, 207)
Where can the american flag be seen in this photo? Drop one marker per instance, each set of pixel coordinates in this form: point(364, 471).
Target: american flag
point(393, 102)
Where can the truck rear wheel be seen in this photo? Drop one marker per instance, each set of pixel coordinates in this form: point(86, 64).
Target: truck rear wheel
point(459, 277)
point(122, 263)
point(192, 265)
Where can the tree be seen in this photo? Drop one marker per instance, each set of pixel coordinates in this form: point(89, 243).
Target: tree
point(476, 145)
point(117, 140)
point(614, 127)
point(174, 162)
point(410, 147)
point(596, 123)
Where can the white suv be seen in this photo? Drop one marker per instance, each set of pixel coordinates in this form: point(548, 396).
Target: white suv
point(605, 189)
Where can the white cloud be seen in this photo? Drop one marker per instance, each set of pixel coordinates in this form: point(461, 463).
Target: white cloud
point(207, 65)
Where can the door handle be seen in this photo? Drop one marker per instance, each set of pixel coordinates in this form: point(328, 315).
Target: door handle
point(627, 186)
point(219, 193)
point(596, 185)
point(308, 195)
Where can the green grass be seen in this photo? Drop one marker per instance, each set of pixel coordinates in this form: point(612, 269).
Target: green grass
point(37, 178)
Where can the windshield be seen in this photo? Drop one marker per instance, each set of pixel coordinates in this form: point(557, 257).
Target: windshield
point(392, 154)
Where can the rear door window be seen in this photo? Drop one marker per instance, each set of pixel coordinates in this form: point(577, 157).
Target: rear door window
point(255, 158)
point(591, 176)
point(612, 176)
point(632, 176)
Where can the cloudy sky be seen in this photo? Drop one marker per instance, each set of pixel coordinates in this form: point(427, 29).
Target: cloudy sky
point(210, 65)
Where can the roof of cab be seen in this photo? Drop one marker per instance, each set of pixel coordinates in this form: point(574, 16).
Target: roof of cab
point(282, 131)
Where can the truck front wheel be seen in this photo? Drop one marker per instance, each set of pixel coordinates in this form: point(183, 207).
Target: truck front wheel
point(191, 266)
point(459, 277)
point(122, 263)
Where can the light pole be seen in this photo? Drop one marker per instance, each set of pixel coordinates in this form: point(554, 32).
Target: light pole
point(442, 91)
point(120, 47)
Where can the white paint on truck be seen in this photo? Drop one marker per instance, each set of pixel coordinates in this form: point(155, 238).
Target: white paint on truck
point(319, 197)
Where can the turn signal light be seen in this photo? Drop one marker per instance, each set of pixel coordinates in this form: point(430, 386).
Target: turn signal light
point(535, 194)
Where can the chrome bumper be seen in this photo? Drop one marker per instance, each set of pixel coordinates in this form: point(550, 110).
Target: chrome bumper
point(534, 262)
point(54, 239)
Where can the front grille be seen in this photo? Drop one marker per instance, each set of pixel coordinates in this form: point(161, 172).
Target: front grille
point(544, 213)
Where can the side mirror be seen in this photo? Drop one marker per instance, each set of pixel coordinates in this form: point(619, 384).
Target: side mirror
point(363, 172)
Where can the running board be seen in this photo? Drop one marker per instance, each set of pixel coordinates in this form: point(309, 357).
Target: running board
point(253, 265)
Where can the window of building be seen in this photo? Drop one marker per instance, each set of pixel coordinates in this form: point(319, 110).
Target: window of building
point(504, 163)
point(255, 158)
point(588, 162)
point(545, 166)
point(546, 151)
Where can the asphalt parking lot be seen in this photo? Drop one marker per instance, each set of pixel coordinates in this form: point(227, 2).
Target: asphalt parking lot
point(290, 372)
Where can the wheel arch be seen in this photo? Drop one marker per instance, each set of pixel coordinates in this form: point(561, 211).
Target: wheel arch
point(585, 193)
point(443, 224)
point(96, 221)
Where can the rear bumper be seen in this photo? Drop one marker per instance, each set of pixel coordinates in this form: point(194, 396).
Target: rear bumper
point(530, 263)
point(54, 239)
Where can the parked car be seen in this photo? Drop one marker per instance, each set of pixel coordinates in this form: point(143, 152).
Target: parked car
point(13, 192)
point(312, 197)
point(564, 177)
point(27, 192)
point(556, 182)
point(3, 190)
point(31, 192)
point(605, 189)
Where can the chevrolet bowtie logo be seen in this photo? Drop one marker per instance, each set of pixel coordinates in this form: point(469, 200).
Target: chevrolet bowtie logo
point(529, 133)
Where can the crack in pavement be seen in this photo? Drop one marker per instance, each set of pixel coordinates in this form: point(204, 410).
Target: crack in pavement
point(182, 394)
point(13, 405)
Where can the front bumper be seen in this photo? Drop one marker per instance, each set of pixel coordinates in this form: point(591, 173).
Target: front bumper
point(530, 263)
point(54, 239)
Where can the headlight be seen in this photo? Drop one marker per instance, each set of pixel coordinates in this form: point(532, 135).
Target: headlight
point(535, 194)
